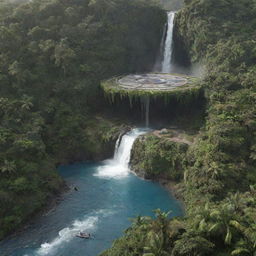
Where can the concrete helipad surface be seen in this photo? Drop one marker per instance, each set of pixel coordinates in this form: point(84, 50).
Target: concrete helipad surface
point(156, 82)
point(151, 84)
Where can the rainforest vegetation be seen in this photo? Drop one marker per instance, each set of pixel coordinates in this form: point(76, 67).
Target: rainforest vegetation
point(159, 158)
point(219, 181)
point(53, 53)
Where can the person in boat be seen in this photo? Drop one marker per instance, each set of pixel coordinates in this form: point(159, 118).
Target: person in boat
point(84, 235)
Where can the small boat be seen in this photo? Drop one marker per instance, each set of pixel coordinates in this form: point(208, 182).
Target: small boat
point(83, 235)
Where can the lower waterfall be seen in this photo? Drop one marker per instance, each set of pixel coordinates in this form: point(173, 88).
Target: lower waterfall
point(118, 167)
point(108, 196)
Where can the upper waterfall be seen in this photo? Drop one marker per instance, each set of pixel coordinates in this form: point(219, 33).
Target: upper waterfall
point(167, 56)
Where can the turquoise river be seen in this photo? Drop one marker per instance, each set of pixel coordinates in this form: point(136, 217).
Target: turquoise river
point(108, 196)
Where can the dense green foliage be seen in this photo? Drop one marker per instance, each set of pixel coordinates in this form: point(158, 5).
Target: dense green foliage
point(158, 158)
point(220, 176)
point(53, 53)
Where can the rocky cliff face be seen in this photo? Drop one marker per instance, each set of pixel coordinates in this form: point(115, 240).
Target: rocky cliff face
point(181, 44)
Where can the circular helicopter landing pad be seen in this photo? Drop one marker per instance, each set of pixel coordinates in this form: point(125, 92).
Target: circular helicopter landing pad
point(157, 82)
point(151, 84)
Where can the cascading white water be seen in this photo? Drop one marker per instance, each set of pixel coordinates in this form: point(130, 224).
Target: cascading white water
point(167, 59)
point(66, 235)
point(145, 104)
point(118, 167)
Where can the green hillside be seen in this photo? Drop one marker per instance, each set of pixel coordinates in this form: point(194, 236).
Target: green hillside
point(219, 182)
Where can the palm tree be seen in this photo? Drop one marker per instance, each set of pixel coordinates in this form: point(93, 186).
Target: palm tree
point(223, 222)
point(201, 218)
point(243, 248)
point(8, 167)
point(236, 200)
point(155, 245)
point(162, 224)
point(26, 103)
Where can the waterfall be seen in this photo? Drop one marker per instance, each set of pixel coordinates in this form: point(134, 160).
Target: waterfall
point(118, 167)
point(167, 56)
point(145, 104)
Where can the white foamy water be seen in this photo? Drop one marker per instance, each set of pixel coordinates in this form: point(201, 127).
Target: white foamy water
point(67, 234)
point(118, 167)
point(166, 64)
point(88, 225)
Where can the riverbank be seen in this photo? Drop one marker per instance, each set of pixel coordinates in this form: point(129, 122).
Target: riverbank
point(176, 189)
point(50, 205)
point(102, 135)
point(160, 156)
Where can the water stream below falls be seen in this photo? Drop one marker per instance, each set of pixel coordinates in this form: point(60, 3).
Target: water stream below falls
point(108, 195)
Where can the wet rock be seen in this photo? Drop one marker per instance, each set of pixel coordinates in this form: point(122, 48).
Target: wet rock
point(164, 131)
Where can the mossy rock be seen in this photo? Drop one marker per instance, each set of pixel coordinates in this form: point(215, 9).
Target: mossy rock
point(158, 158)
